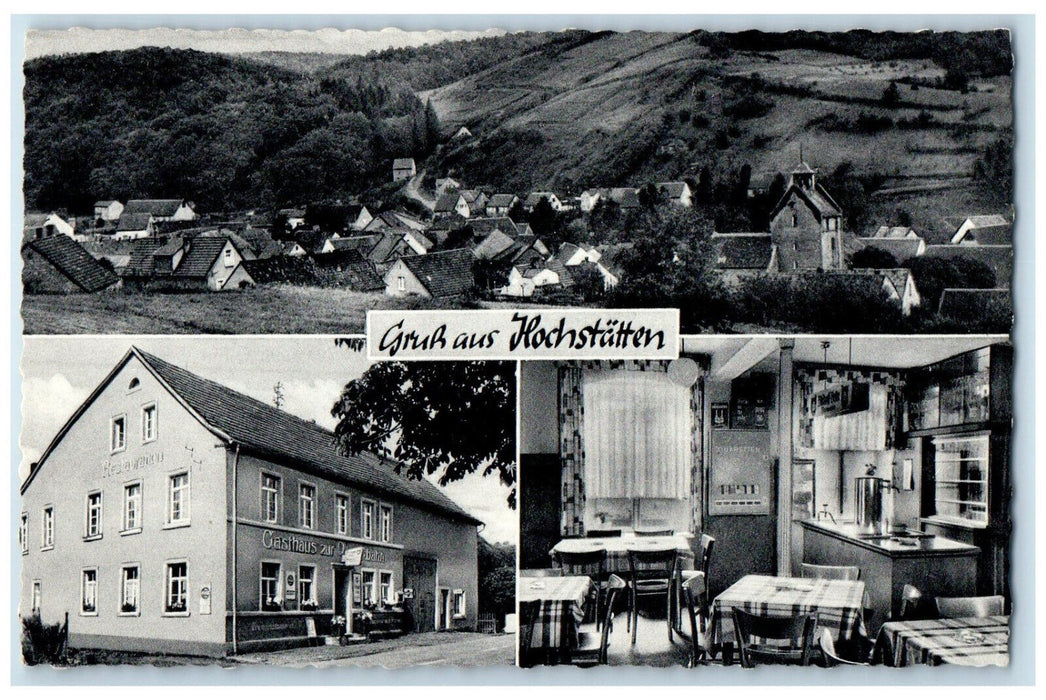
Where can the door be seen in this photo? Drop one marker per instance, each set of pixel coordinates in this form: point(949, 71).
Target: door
point(419, 575)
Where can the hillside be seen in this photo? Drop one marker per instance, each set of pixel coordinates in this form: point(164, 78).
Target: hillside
point(616, 109)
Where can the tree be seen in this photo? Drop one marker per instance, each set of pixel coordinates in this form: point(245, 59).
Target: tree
point(445, 418)
point(431, 125)
point(891, 95)
point(872, 257)
point(542, 217)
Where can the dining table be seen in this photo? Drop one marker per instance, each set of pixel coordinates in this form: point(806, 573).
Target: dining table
point(963, 641)
point(839, 605)
point(562, 601)
point(617, 558)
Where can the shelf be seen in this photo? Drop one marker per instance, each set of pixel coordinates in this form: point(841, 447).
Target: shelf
point(982, 482)
point(979, 504)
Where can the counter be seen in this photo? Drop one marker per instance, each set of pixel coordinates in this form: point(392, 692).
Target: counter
point(935, 565)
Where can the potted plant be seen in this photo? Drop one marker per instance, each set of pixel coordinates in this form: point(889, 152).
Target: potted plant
point(309, 605)
point(272, 604)
point(338, 625)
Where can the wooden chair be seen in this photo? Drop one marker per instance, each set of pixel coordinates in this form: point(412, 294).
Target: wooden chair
point(592, 645)
point(974, 606)
point(528, 615)
point(829, 655)
point(916, 606)
point(652, 574)
point(707, 544)
point(541, 573)
point(591, 563)
point(834, 573)
point(604, 533)
point(692, 590)
point(795, 637)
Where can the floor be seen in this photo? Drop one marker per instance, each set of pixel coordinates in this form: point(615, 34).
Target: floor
point(652, 647)
point(425, 649)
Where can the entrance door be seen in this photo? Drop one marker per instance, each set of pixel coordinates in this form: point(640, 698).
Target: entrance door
point(419, 574)
point(444, 608)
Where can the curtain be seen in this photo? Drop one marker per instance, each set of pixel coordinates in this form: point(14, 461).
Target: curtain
point(638, 435)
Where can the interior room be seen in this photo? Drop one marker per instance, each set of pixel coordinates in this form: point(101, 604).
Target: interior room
point(766, 460)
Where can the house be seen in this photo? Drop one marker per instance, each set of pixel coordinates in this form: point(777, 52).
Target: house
point(60, 265)
point(357, 216)
point(447, 184)
point(675, 193)
point(221, 526)
point(571, 254)
point(895, 232)
point(37, 225)
point(417, 241)
point(524, 280)
point(202, 262)
point(436, 275)
point(295, 217)
point(462, 134)
point(806, 225)
point(898, 284)
point(162, 209)
point(470, 203)
point(394, 219)
point(134, 225)
point(349, 269)
point(991, 229)
point(760, 183)
point(625, 197)
point(973, 304)
point(501, 204)
point(107, 210)
point(590, 198)
point(403, 169)
point(446, 204)
point(739, 255)
point(534, 197)
point(274, 270)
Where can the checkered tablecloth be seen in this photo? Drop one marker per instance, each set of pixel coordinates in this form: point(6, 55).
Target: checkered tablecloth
point(966, 641)
point(562, 601)
point(617, 549)
point(839, 604)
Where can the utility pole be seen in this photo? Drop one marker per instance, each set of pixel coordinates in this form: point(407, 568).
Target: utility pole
point(277, 394)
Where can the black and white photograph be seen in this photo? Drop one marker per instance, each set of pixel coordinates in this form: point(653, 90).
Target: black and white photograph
point(184, 502)
point(266, 181)
point(852, 508)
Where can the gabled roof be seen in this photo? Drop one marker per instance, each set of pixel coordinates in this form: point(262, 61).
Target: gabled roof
point(972, 303)
point(388, 245)
point(105, 202)
point(557, 266)
point(281, 268)
point(199, 258)
point(72, 260)
point(268, 432)
point(446, 202)
point(131, 221)
point(140, 263)
point(501, 200)
point(354, 270)
point(625, 197)
point(443, 274)
point(534, 197)
point(900, 248)
point(994, 234)
point(403, 163)
point(484, 226)
point(156, 207)
point(674, 190)
point(894, 232)
point(493, 246)
point(364, 244)
point(470, 196)
point(743, 251)
point(817, 199)
point(976, 220)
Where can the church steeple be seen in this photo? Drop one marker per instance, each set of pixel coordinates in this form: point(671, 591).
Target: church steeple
point(803, 176)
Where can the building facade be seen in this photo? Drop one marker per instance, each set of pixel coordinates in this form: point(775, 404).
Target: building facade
point(171, 514)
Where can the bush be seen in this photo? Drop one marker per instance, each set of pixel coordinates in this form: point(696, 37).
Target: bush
point(44, 644)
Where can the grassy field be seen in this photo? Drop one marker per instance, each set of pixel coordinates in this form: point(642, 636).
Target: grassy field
point(276, 309)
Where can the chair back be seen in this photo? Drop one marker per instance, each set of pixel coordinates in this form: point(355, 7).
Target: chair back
point(831, 657)
point(975, 606)
point(653, 532)
point(615, 584)
point(916, 606)
point(588, 563)
point(528, 615)
point(693, 589)
point(603, 533)
point(834, 573)
point(707, 543)
point(796, 633)
point(652, 563)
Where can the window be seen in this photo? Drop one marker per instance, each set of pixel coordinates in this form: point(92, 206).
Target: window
point(367, 587)
point(385, 586)
point(37, 596)
point(343, 514)
point(306, 592)
point(132, 507)
point(270, 498)
point(23, 533)
point(178, 499)
point(89, 592)
point(118, 434)
point(367, 520)
point(133, 385)
point(401, 283)
point(48, 528)
point(229, 262)
point(386, 523)
point(129, 589)
point(306, 506)
point(270, 586)
point(176, 601)
point(149, 423)
point(457, 602)
point(94, 515)
point(795, 219)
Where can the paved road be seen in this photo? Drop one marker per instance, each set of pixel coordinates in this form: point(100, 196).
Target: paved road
point(427, 649)
point(413, 190)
